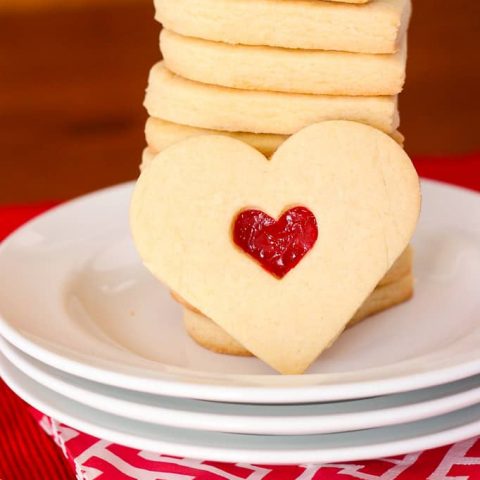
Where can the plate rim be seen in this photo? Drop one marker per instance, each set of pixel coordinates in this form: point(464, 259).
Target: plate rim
point(243, 423)
point(379, 449)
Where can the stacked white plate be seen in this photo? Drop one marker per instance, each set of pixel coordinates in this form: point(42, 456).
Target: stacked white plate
point(93, 340)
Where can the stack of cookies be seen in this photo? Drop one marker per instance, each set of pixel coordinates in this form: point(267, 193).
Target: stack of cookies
point(260, 71)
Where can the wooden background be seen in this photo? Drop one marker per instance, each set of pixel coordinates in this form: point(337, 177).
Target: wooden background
point(73, 74)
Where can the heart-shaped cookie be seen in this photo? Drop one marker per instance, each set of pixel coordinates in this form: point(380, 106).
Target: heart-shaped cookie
point(356, 181)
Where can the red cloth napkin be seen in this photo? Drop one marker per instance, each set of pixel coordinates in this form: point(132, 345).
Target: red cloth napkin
point(27, 452)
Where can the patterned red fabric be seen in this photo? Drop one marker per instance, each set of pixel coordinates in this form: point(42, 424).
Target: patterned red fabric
point(97, 459)
point(27, 453)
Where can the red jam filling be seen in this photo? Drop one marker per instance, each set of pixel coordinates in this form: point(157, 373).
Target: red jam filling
point(278, 245)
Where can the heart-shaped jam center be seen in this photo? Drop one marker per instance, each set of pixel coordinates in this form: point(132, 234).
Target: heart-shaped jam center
point(278, 245)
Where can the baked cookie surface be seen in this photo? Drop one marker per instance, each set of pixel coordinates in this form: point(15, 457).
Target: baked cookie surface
point(176, 99)
point(188, 197)
point(282, 69)
point(376, 27)
point(160, 134)
point(401, 268)
point(349, 1)
point(209, 335)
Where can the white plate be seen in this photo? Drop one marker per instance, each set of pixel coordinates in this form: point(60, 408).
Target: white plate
point(74, 295)
point(252, 419)
point(231, 447)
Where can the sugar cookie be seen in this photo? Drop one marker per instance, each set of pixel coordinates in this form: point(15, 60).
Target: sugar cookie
point(403, 266)
point(354, 181)
point(209, 335)
point(147, 156)
point(173, 98)
point(385, 297)
point(160, 134)
point(376, 27)
point(282, 69)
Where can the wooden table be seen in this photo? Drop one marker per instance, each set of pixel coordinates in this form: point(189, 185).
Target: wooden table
point(72, 83)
